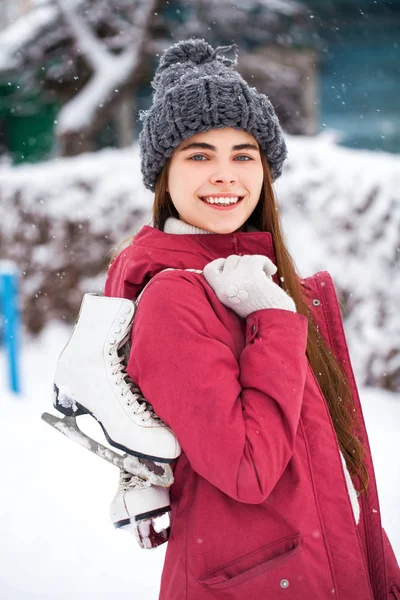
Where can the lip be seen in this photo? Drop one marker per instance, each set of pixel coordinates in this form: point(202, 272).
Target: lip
point(228, 207)
point(222, 195)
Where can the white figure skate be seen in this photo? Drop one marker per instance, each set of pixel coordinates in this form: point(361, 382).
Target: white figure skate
point(91, 378)
point(141, 509)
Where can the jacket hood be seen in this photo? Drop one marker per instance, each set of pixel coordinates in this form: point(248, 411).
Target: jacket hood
point(153, 250)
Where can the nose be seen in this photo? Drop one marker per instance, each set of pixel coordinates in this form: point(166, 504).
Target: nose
point(223, 176)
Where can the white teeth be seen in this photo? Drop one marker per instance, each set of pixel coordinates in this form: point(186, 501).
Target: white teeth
point(231, 200)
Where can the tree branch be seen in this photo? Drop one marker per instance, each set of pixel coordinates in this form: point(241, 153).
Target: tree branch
point(111, 72)
point(87, 42)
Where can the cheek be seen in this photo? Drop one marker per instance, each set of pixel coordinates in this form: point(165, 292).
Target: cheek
point(184, 176)
point(253, 180)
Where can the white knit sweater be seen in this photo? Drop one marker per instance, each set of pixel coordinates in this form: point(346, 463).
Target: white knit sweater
point(176, 226)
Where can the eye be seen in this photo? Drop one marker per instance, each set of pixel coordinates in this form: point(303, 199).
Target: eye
point(196, 156)
point(244, 156)
point(200, 157)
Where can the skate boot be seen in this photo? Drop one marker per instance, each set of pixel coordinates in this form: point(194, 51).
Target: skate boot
point(91, 378)
point(140, 508)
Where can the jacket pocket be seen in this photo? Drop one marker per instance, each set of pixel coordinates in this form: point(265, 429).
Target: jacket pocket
point(254, 564)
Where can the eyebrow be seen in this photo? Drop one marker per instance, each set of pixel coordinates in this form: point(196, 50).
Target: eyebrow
point(205, 146)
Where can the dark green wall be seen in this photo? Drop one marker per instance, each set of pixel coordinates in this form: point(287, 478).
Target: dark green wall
point(26, 125)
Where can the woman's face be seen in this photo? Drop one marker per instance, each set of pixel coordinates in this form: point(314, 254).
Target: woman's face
point(219, 163)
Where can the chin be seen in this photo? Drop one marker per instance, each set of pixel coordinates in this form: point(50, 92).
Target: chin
point(224, 227)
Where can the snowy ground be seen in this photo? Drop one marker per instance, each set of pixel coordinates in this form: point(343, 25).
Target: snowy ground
point(56, 538)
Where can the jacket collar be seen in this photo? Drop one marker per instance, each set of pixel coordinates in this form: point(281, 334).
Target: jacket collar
point(153, 250)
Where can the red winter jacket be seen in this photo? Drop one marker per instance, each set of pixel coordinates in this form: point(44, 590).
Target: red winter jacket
point(260, 507)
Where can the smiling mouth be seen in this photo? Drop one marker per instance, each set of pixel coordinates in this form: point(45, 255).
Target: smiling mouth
point(222, 202)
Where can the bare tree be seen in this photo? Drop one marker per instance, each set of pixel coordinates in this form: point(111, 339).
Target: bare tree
point(113, 74)
point(90, 56)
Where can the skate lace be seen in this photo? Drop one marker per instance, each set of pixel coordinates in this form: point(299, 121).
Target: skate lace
point(127, 481)
point(134, 397)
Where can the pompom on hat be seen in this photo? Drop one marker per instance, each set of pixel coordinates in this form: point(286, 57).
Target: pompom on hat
point(196, 89)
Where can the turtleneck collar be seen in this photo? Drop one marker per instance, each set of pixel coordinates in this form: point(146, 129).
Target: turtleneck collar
point(176, 226)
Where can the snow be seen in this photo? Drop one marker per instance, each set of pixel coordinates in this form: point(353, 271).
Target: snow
point(55, 526)
point(285, 7)
point(8, 267)
point(65, 397)
point(82, 188)
point(346, 204)
point(79, 112)
point(163, 477)
point(25, 29)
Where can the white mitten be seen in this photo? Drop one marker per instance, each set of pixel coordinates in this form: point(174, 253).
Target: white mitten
point(244, 284)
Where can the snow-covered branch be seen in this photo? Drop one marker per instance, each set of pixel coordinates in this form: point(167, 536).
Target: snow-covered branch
point(111, 72)
point(86, 41)
point(284, 7)
point(24, 31)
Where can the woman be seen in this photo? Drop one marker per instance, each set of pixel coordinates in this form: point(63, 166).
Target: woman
point(245, 362)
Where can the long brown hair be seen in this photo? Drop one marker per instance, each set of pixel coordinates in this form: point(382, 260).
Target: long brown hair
point(327, 370)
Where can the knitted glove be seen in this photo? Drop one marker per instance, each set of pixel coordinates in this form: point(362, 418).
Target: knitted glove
point(244, 284)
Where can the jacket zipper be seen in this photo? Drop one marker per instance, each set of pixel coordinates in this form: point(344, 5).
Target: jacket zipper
point(367, 536)
point(234, 244)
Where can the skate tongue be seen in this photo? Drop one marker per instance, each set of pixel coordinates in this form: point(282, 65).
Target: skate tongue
point(124, 348)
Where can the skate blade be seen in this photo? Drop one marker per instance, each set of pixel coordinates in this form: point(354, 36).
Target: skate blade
point(146, 532)
point(147, 535)
point(155, 473)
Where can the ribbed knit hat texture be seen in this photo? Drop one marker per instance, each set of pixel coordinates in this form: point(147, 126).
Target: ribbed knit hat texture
point(196, 89)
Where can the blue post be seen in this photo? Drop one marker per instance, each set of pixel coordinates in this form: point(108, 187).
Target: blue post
point(9, 312)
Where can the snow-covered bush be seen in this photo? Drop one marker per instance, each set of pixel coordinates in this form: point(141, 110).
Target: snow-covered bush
point(340, 210)
point(60, 223)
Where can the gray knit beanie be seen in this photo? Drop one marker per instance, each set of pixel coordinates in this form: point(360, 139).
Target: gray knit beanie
point(195, 90)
